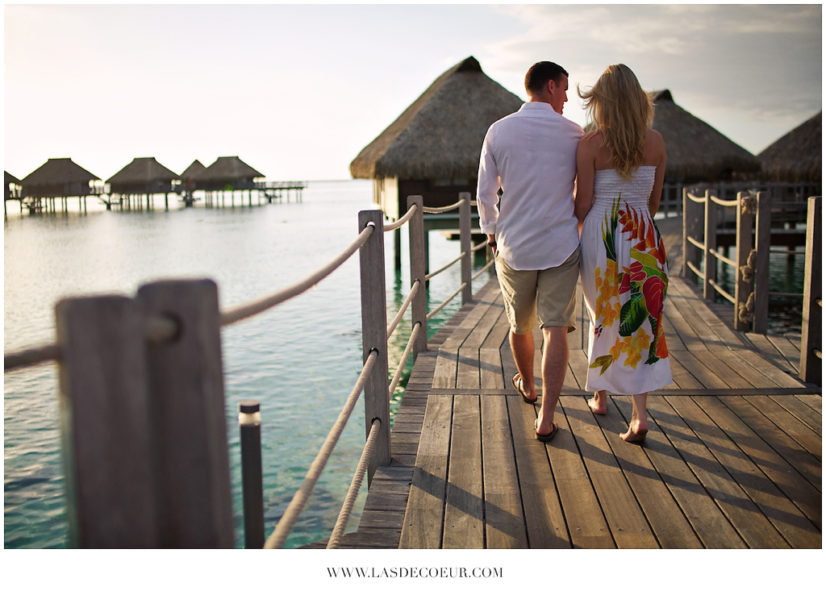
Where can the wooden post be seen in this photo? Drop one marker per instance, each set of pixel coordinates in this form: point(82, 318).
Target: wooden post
point(249, 423)
point(744, 244)
point(710, 242)
point(374, 336)
point(188, 416)
point(811, 364)
point(106, 431)
point(762, 245)
point(465, 246)
point(415, 228)
point(397, 249)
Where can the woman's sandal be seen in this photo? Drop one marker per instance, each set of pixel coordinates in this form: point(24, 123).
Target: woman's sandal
point(517, 384)
point(545, 437)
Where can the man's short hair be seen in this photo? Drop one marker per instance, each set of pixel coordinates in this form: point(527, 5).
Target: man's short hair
point(540, 73)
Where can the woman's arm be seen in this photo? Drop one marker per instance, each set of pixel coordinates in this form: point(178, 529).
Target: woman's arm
point(659, 176)
point(585, 172)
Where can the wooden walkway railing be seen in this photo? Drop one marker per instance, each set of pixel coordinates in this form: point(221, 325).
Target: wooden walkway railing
point(753, 230)
point(142, 399)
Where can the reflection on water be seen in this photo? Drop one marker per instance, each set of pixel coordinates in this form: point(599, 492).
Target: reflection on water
point(300, 360)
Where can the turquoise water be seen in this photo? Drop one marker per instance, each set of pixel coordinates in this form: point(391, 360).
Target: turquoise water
point(300, 360)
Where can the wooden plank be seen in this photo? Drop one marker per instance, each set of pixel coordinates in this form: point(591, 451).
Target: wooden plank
point(712, 527)
point(626, 520)
point(425, 507)
point(805, 496)
point(776, 507)
point(586, 523)
point(667, 521)
point(464, 524)
point(490, 359)
point(504, 519)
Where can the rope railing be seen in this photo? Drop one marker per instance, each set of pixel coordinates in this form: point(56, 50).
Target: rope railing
point(696, 199)
point(414, 289)
point(400, 221)
point(158, 328)
point(300, 498)
point(417, 328)
point(723, 203)
point(258, 306)
point(479, 246)
point(482, 270)
point(438, 308)
point(429, 276)
point(355, 485)
point(437, 210)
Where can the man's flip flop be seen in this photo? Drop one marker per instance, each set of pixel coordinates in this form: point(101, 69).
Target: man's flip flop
point(545, 437)
point(517, 384)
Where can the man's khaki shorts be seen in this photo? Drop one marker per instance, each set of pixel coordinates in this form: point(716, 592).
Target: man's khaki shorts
point(548, 295)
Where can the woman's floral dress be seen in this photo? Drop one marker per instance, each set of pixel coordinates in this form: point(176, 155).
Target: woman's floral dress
point(625, 278)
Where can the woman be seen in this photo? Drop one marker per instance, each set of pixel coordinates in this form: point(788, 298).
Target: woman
point(620, 170)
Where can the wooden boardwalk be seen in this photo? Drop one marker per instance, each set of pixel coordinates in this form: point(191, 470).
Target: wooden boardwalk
point(732, 460)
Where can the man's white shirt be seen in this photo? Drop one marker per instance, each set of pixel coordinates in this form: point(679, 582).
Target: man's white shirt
point(531, 154)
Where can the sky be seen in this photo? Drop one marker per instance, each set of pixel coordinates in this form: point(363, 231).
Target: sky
point(296, 91)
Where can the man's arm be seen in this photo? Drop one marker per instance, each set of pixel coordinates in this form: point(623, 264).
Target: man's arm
point(487, 190)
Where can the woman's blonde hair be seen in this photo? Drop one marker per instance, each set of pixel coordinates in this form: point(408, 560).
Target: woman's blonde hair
point(623, 112)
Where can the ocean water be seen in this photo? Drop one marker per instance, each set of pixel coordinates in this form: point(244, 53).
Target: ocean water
point(300, 359)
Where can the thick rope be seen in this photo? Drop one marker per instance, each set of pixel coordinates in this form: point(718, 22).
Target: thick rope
point(258, 306)
point(483, 269)
point(429, 276)
point(299, 500)
point(697, 199)
point(401, 221)
point(355, 486)
point(724, 203)
point(479, 246)
point(158, 329)
point(435, 311)
point(397, 376)
point(395, 322)
point(435, 210)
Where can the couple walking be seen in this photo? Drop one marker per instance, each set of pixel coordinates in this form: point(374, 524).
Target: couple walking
point(555, 181)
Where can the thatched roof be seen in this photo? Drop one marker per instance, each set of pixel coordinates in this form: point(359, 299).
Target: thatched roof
point(695, 150)
point(193, 170)
point(143, 170)
point(58, 171)
point(796, 156)
point(227, 169)
point(440, 135)
point(9, 179)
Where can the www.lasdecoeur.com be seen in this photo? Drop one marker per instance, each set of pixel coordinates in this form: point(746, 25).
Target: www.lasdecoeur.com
point(413, 572)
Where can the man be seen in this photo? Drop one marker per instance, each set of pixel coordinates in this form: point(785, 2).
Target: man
point(531, 156)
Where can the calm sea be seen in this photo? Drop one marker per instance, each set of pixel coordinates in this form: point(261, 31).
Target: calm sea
point(300, 360)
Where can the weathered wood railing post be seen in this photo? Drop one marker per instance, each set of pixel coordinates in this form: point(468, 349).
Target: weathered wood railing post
point(762, 246)
point(710, 243)
point(465, 246)
point(745, 241)
point(105, 427)
point(686, 228)
point(374, 336)
point(811, 346)
point(188, 415)
point(417, 272)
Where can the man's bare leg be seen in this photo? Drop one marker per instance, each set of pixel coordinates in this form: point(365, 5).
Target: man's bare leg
point(554, 365)
point(522, 348)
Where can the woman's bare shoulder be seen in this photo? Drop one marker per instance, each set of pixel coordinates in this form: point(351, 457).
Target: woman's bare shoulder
point(591, 141)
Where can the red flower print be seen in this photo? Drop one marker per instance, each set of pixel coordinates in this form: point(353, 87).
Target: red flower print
point(662, 350)
point(652, 290)
point(625, 285)
point(637, 274)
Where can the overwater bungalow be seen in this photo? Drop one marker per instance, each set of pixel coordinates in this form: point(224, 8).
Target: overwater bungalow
point(189, 174)
point(433, 147)
point(696, 151)
point(796, 156)
point(11, 189)
point(227, 173)
point(58, 177)
point(144, 175)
